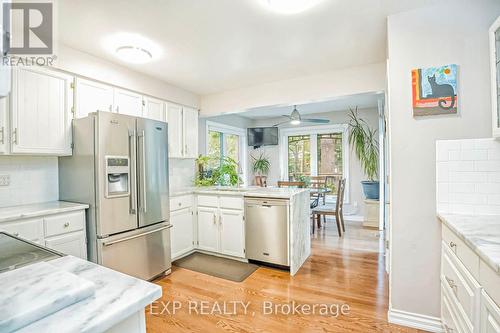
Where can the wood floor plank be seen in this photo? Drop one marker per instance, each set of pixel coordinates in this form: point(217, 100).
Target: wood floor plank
point(347, 270)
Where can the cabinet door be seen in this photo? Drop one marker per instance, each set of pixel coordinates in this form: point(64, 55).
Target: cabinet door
point(490, 315)
point(154, 109)
point(41, 102)
point(208, 229)
point(190, 127)
point(232, 233)
point(3, 125)
point(182, 232)
point(128, 102)
point(72, 244)
point(91, 96)
point(175, 145)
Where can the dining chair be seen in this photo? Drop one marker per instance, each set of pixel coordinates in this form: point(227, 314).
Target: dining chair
point(318, 184)
point(331, 210)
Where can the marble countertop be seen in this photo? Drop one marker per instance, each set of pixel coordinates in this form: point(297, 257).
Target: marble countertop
point(117, 296)
point(39, 209)
point(250, 191)
point(480, 232)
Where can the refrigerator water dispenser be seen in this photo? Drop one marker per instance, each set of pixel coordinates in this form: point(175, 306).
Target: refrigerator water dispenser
point(117, 176)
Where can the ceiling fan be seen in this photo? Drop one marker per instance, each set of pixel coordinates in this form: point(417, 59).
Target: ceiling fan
point(296, 119)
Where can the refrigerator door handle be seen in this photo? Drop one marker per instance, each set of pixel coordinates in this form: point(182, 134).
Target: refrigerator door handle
point(142, 174)
point(132, 149)
point(136, 236)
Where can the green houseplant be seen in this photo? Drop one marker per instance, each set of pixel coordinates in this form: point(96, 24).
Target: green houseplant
point(260, 167)
point(216, 171)
point(363, 141)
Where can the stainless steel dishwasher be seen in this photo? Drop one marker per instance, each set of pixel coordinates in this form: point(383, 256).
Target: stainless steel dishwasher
point(267, 230)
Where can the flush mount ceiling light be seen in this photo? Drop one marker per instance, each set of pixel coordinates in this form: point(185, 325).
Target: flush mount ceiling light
point(131, 48)
point(134, 54)
point(290, 6)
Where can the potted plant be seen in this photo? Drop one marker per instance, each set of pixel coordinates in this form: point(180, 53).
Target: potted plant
point(363, 141)
point(216, 171)
point(261, 166)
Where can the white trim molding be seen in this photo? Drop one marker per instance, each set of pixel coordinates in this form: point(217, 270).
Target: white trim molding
point(415, 320)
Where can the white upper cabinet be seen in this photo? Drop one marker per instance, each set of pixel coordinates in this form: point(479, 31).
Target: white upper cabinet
point(183, 131)
point(91, 96)
point(190, 119)
point(154, 109)
point(128, 102)
point(41, 103)
point(495, 76)
point(175, 136)
point(4, 134)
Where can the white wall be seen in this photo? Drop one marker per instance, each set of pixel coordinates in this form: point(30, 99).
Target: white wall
point(32, 180)
point(87, 65)
point(356, 175)
point(454, 32)
point(325, 86)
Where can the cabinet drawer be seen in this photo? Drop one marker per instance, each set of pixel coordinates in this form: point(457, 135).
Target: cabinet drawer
point(31, 230)
point(490, 315)
point(490, 280)
point(208, 200)
point(461, 286)
point(181, 202)
point(448, 315)
point(231, 202)
point(462, 251)
point(64, 223)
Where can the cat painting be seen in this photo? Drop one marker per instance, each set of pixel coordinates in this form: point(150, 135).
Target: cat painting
point(435, 90)
point(441, 90)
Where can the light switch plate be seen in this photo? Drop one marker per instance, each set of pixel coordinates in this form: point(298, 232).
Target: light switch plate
point(4, 180)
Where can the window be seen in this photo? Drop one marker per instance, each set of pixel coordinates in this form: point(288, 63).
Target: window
point(315, 151)
point(226, 141)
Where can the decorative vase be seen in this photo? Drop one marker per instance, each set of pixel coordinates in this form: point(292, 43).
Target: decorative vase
point(261, 181)
point(371, 189)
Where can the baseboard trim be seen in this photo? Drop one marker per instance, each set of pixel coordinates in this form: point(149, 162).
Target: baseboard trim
point(354, 218)
point(415, 320)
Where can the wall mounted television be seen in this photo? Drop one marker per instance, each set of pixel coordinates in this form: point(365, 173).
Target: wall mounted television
point(262, 136)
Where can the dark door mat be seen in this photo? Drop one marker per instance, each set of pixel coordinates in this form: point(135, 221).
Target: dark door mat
point(223, 268)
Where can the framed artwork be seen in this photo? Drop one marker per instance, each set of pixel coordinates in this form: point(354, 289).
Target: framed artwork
point(434, 90)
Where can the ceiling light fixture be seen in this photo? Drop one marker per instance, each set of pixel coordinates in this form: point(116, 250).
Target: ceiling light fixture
point(132, 48)
point(290, 6)
point(134, 54)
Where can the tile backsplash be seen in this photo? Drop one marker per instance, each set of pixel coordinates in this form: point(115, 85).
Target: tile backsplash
point(181, 173)
point(32, 180)
point(468, 176)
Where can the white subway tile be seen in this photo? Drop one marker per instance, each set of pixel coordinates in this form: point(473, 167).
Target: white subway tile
point(443, 193)
point(461, 165)
point(488, 188)
point(494, 177)
point(474, 155)
point(461, 209)
point(442, 172)
point(467, 144)
point(487, 166)
point(487, 210)
point(485, 143)
point(494, 199)
point(462, 187)
point(468, 198)
point(468, 177)
point(494, 154)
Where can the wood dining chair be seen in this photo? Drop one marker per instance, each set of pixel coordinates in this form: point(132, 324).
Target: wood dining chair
point(318, 183)
point(331, 210)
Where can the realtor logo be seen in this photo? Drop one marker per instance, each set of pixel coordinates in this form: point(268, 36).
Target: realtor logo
point(28, 28)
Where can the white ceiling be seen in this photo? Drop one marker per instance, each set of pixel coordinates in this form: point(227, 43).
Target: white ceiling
point(362, 101)
point(210, 46)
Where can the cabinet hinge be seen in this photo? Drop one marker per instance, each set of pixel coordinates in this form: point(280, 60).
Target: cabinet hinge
point(244, 250)
point(73, 110)
point(143, 103)
point(72, 145)
point(72, 85)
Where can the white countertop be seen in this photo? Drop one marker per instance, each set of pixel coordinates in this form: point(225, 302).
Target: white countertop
point(117, 296)
point(250, 191)
point(480, 232)
point(39, 209)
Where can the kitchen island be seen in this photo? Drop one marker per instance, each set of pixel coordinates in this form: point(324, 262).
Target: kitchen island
point(212, 220)
point(116, 304)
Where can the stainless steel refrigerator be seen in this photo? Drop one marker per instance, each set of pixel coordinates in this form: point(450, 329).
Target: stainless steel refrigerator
point(119, 167)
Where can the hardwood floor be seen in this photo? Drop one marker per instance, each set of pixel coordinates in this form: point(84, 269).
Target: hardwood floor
point(342, 271)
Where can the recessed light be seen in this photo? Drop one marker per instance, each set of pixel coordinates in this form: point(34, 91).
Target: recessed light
point(134, 54)
point(131, 47)
point(290, 6)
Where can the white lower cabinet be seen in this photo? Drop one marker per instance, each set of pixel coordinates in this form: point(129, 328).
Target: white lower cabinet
point(232, 232)
point(469, 296)
point(72, 244)
point(63, 232)
point(182, 232)
point(208, 229)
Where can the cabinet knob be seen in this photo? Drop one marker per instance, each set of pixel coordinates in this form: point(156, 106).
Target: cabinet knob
point(452, 244)
point(180, 204)
point(16, 234)
point(66, 224)
point(451, 283)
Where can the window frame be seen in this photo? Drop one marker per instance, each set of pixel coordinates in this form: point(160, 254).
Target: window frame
point(313, 132)
point(227, 129)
